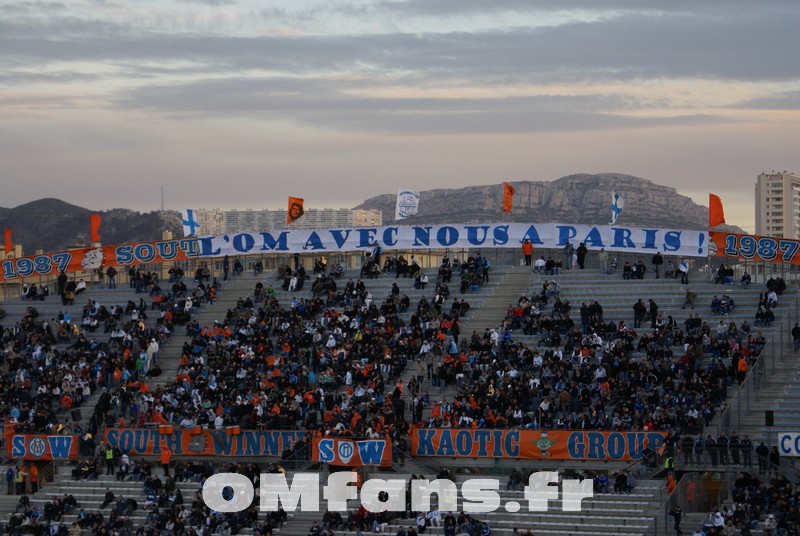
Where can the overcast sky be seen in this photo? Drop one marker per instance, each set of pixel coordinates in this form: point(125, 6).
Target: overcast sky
point(240, 103)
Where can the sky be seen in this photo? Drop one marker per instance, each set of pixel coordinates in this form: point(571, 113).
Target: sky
point(241, 103)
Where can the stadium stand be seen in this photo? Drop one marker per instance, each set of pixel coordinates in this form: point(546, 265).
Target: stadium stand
point(370, 354)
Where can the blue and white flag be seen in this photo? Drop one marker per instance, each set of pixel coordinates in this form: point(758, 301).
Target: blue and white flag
point(407, 204)
point(617, 204)
point(190, 224)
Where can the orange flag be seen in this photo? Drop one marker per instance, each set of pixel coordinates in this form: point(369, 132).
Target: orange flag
point(715, 212)
point(94, 233)
point(508, 194)
point(8, 245)
point(295, 210)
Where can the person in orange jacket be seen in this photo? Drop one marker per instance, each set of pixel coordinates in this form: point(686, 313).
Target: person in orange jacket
point(34, 477)
point(527, 250)
point(166, 456)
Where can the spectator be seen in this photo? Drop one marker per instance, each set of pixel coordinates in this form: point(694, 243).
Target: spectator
point(746, 280)
point(683, 269)
point(602, 259)
point(657, 261)
point(581, 253)
point(689, 298)
point(527, 251)
point(796, 336)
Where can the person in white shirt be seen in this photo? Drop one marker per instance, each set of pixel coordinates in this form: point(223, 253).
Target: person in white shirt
point(772, 299)
point(538, 266)
point(423, 280)
point(152, 351)
point(435, 518)
point(683, 268)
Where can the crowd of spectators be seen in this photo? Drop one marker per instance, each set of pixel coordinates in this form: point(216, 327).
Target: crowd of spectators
point(601, 374)
point(50, 367)
point(761, 505)
point(334, 363)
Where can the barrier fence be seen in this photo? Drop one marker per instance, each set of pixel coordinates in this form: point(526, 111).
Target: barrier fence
point(701, 268)
point(741, 401)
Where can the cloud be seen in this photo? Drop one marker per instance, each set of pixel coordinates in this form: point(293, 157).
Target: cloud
point(458, 91)
point(328, 104)
point(789, 100)
point(627, 47)
point(210, 2)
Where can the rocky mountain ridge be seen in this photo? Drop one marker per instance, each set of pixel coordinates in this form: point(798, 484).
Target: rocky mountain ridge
point(581, 198)
point(53, 225)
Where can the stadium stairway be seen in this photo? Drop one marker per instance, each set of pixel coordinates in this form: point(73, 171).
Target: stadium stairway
point(7, 502)
point(486, 307)
point(617, 297)
point(227, 296)
point(779, 392)
point(90, 494)
point(603, 514)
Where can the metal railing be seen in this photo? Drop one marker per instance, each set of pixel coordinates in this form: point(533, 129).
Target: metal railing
point(693, 493)
point(404, 456)
point(749, 391)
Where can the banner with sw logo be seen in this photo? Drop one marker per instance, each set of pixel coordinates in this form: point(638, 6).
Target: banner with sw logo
point(43, 447)
point(350, 453)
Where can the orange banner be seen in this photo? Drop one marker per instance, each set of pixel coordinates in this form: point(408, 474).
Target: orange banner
point(351, 453)
point(533, 444)
point(76, 260)
point(754, 248)
point(199, 442)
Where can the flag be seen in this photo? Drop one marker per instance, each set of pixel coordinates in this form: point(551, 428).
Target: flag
point(8, 246)
point(508, 194)
point(190, 225)
point(407, 204)
point(295, 210)
point(617, 204)
point(94, 233)
point(715, 212)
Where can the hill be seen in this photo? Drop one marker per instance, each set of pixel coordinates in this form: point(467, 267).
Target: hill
point(579, 198)
point(53, 225)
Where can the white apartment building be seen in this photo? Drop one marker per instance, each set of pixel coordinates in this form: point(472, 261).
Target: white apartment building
point(216, 221)
point(778, 204)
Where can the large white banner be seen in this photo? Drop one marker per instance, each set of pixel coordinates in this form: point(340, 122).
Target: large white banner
point(459, 236)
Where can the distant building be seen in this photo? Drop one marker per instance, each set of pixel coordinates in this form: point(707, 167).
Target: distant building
point(778, 205)
point(212, 221)
point(215, 221)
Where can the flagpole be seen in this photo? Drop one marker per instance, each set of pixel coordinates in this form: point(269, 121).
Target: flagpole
point(708, 251)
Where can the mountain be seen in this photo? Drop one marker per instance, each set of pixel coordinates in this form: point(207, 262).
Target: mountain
point(579, 198)
point(53, 225)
